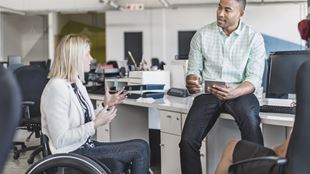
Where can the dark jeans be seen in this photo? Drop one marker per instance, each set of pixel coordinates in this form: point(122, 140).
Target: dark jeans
point(203, 114)
point(135, 152)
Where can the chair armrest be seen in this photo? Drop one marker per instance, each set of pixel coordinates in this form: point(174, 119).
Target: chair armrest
point(26, 105)
point(256, 162)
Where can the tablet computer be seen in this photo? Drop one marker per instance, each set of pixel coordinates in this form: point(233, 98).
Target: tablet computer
point(213, 82)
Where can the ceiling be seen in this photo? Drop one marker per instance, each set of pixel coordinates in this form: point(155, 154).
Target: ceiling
point(82, 6)
point(90, 5)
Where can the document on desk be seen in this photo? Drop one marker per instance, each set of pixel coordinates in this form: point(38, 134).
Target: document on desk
point(145, 100)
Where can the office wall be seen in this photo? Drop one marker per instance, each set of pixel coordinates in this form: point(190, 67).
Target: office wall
point(90, 24)
point(11, 36)
point(117, 23)
point(25, 36)
point(160, 27)
point(94, 19)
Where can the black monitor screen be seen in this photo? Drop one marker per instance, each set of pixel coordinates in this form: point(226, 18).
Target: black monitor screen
point(184, 42)
point(282, 72)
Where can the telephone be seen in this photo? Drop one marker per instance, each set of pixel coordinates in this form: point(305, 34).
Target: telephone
point(178, 92)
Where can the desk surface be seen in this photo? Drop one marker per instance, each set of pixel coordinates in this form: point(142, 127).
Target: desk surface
point(182, 105)
point(125, 79)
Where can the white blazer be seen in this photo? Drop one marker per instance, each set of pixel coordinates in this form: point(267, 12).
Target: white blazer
point(62, 117)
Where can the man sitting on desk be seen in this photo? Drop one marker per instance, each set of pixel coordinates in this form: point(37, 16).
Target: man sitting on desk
point(231, 51)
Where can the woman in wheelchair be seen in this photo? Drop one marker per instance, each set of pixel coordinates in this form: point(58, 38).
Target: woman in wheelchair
point(68, 116)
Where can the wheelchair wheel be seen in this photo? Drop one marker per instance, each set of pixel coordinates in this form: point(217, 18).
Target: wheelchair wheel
point(77, 162)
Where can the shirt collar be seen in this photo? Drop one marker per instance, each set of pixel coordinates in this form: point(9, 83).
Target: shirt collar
point(237, 31)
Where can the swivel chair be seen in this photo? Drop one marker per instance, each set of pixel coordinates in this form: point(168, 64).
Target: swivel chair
point(298, 154)
point(10, 112)
point(31, 80)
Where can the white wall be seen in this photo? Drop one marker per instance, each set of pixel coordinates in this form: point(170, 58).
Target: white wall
point(25, 36)
point(118, 22)
point(11, 36)
point(160, 27)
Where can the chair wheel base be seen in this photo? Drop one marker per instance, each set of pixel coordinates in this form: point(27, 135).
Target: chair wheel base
point(23, 146)
point(30, 161)
point(16, 155)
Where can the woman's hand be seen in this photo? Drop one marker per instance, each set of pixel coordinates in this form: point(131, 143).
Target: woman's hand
point(114, 99)
point(105, 116)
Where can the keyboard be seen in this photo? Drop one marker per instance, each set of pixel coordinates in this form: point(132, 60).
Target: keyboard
point(277, 109)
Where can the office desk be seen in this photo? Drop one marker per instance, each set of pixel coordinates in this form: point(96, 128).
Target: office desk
point(132, 122)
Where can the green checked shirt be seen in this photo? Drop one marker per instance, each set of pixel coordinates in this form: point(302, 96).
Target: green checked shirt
point(234, 59)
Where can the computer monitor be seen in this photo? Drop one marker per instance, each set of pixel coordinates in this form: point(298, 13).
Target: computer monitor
point(282, 73)
point(184, 42)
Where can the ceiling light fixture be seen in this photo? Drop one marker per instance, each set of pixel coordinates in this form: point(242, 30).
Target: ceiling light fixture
point(9, 10)
point(111, 3)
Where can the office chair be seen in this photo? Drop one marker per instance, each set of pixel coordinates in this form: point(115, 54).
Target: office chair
point(298, 154)
point(42, 64)
point(10, 112)
point(31, 80)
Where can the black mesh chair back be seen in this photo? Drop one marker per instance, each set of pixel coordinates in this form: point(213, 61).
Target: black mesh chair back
point(32, 80)
point(10, 104)
point(298, 154)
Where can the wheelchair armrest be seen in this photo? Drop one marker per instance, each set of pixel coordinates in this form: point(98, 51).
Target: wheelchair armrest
point(271, 159)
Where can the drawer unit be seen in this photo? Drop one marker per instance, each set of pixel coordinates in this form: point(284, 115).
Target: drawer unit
point(170, 122)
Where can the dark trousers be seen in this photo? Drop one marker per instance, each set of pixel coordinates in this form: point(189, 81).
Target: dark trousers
point(135, 152)
point(203, 114)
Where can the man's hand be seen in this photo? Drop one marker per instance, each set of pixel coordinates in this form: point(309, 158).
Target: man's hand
point(193, 84)
point(228, 93)
point(223, 92)
point(114, 99)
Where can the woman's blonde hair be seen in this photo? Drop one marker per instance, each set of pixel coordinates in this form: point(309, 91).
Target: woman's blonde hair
point(68, 62)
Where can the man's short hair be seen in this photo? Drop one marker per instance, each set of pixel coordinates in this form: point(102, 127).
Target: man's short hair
point(242, 2)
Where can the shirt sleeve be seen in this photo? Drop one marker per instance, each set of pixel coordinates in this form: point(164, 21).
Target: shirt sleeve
point(195, 58)
point(256, 63)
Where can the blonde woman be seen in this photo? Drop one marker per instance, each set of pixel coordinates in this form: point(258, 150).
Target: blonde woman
point(68, 117)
